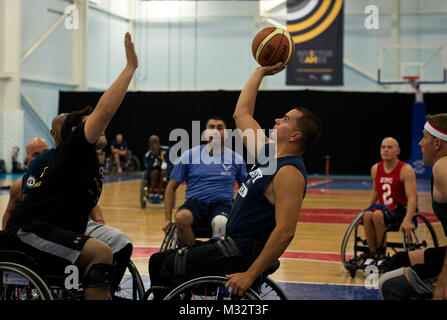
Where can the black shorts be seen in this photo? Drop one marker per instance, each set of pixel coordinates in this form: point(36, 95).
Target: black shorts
point(204, 259)
point(433, 261)
point(52, 248)
point(204, 213)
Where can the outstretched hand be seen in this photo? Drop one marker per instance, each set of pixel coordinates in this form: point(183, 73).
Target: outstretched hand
point(131, 56)
point(271, 70)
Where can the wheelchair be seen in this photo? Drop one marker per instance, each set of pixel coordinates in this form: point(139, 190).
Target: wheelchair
point(21, 279)
point(145, 187)
point(129, 163)
point(213, 287)
point(170, 241)
point(423, 236)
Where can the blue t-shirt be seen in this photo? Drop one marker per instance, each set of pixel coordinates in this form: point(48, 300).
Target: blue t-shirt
point(32, 178)
point(209, 178)
point(120, 146)
point(253, 216)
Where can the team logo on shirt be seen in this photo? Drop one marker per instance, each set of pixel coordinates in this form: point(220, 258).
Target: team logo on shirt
point(226, 171)
point(243, 191)
point(255, 175)
point(30, 182)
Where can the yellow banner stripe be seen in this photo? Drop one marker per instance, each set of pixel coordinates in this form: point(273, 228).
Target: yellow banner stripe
point(323, 26)
point(289, 38)
point(262, 44)
point(311, 20)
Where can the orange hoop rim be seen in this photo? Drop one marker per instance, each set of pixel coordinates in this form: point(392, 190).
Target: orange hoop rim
point(410, 78)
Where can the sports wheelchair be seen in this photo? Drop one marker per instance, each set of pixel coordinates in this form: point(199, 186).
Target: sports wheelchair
point(213, 287)
point(423, 236)
point(145, 187)
point(129, 163)
point(170, 241)
point(21, 279)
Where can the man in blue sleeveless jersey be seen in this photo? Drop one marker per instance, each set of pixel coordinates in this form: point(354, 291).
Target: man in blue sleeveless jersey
point(158, 168)
point(267, 205)
point(210, 171)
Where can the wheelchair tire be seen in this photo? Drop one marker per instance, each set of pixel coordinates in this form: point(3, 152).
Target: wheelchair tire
point(23, 283)
point(131, 287)
point(208, 288)
point(134, 164)
point(351, 235)
point(269, 290)
point(424, 234)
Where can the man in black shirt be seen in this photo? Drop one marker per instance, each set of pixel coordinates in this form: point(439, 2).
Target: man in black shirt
point(49, 224)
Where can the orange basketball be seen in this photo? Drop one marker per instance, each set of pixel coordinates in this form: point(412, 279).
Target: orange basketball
point(272, 45)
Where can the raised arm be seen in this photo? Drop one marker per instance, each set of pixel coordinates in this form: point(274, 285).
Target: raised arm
point(111, 99)
point(253, 139)
point(288, 186)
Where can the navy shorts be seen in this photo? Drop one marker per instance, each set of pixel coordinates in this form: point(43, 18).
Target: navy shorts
point(391, 217)
point(204, 212)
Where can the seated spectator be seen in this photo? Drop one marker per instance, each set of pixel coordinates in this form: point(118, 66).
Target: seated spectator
point(119, 151)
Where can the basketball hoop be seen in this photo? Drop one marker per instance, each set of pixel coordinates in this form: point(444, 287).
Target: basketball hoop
point(410, 79)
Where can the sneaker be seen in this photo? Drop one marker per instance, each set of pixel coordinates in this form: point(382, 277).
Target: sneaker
point(119, 170)
point(151, 198)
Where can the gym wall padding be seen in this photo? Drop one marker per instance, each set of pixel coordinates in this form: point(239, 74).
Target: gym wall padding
point(354, 123)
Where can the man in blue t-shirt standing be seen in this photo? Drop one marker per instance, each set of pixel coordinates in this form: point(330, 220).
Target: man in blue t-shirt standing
point(210, 171)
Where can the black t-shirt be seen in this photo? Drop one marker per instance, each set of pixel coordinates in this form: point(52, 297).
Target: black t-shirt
point(70, 187)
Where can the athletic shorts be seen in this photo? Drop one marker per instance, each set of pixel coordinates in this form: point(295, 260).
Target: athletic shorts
point(52, 248)
point(203, 213)
point(391, 217)
point(113, 237)
point(200, 260)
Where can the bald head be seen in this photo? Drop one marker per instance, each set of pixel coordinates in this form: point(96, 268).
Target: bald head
point(389, 149)
point(34, 148)
point(56, 126)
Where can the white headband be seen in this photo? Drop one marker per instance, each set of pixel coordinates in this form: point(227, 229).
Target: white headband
point(438, 133)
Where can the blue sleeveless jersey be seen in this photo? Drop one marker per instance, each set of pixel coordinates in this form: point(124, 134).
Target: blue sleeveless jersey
point(253, 216)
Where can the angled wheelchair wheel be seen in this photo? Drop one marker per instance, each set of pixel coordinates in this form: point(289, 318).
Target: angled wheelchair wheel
point(131, 287)
point(18, 282)
point(269, 290)
point(354, 244)
point(133, 164)
point(423, 236)
point(170, 240)
point(208, 288)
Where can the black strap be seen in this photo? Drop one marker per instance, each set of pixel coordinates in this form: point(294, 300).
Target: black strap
point(228, 247)
point(180, 262)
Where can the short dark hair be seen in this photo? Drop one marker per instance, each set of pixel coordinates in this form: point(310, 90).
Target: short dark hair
point(74, 119)
point(438, 120)
point(216, 118)
point(310, 126)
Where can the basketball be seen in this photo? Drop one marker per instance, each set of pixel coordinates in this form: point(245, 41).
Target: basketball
point(272, 45)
